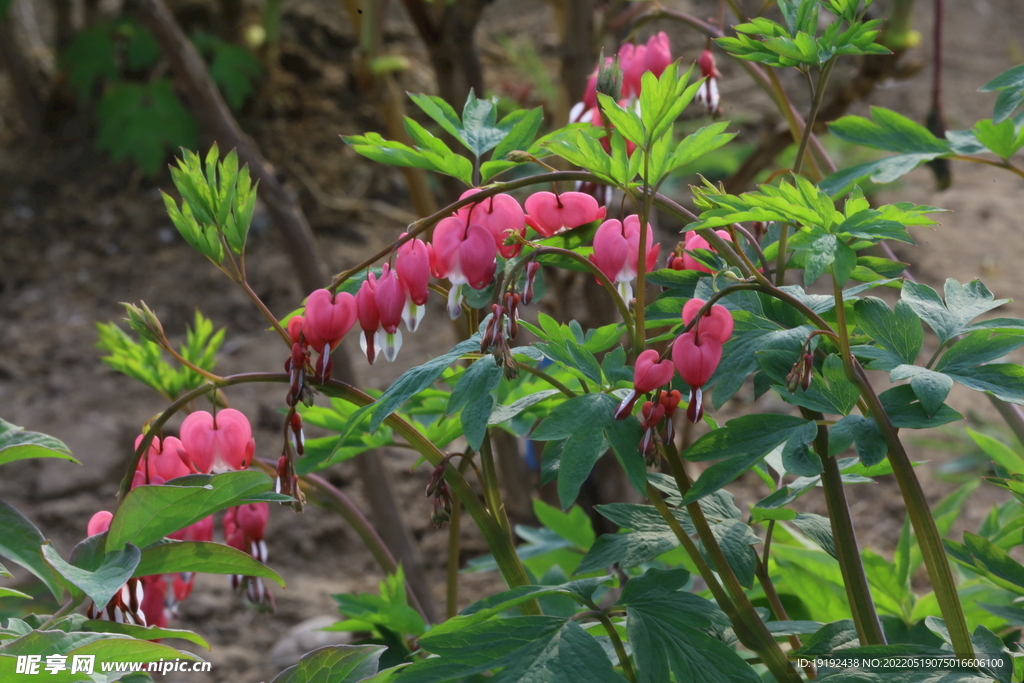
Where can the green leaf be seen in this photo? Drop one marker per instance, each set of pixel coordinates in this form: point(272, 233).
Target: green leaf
point(930, 387)
point(818, 529)
point(905, 412)
point(101, 584)
point(664, 626)
point(1002, 139)
point(1006, 571)
point(624, 120)
point(897, 330)
point(963, 304)
point(740, 444)
point(411, 382)
point(442, 112)
point(735, 539)
point(143, 632)
point(583, 413)
point(649, 537)
point(624, 437)
point(21, 543)
point(998, 451)
point(480, 611)
point(232, 67)
point(479, 125)
point(574, 525)
point(17, 444)
point(890, 131)
point(148, 513)
point(520, 135)
point(504, 413)
point(977, 348)
point(473, 395)
point(871, 445)
point(880, 171)
point(699, 143)
point(531, 648)
point(202, 557)
point(580, 453)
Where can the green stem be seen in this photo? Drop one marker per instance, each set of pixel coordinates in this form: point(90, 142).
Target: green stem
point(452, 578)
point(778, 609)
point(529, 369)
point(754, 633)
point(858, 592)
point(67, 608)
point(492, 491)
point(928, 537)
point(620, 651)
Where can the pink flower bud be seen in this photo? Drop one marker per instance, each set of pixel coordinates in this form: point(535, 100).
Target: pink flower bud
point(707, 94)
point(617, 251)
point(464, 254)
point(717, 320)
point(99, 523)
point(328, 318)
point(218, 444)
point(295, 328)
point(649, 373)
point(549, 214)
point(390, 300)
point(659, 53)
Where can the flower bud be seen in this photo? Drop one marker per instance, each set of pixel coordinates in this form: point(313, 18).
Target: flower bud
point(609, 78)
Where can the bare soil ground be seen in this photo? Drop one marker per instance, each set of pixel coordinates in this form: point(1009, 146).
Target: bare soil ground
point(78, 234)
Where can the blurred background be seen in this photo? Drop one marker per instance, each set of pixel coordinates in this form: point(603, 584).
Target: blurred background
point(96, 96)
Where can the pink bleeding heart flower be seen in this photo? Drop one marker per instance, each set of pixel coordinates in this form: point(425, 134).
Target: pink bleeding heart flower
point(649, 373)
point(328, 319)
point(617, 252)
point(707, 94)
point(695, 242)
point(696, 356)
point(99, 523)
point(717, 320)
point(465, 255)
point(369, 317)
point(244, 527)
point(659, 53)
point(217, 444)
point(412, 264)
point(390, 299)
point(633, 67)
point(164, 463)
point(549, 214)
point(501, 214)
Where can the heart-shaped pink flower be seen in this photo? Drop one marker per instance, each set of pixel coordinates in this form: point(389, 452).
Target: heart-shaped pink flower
point(369, 317)
point(717, 321)
point(649, 372)
point(328, 318)
point(659, 53)
point(164, 462)
point(549, 214)
point(500, 214)
point(413, 267)
point(696, 356)
point(217, 444)
point(693, 242)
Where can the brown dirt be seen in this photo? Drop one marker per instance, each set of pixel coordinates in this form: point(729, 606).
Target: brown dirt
point(79, 234)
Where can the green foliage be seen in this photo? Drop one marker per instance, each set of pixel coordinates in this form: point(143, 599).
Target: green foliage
point(17, 444)
point(334, 664)
point(1010, 86)
point(143, 360)
point(795, 43)
point(380, 614)
point(232, 67)
point(218, 200)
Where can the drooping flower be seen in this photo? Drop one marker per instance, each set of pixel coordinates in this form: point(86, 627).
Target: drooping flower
point(295, 325)
point(634, 62)
point(501, 214)
point(99, 523)
point(390, 299)
point(617, 252)
point(412, 264)
point(649, 373)
point(717, 320)
point(163, 460)
point(217, 444)
point(548, 213)
point(369, 318)
point(465, 254)
point(659, 53)
point(693, 242)
point(244, 528)
point(328, 319)
point(696, 356)
point(707, 94)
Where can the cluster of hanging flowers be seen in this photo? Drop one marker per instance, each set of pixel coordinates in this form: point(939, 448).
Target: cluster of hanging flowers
point(209, 444)
point(694, 355)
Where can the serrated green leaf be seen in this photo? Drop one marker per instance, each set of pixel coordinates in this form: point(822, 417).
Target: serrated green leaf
point(898, 330)
point(574, 526)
